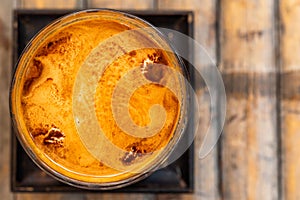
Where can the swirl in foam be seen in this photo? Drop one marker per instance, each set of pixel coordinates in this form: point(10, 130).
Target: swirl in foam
point(43, 98)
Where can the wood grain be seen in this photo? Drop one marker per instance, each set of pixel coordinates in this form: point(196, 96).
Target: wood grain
point(49, 4)
point(249, 143)
point(206, 170)
point(121, 4)
point(290, 93)
point(5, 66)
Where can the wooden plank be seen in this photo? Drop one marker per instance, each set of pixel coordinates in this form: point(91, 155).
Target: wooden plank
point(175, 196)
point(249, 143)
point(206, 170)
point(49, 4)
point(121, 196)
point(5, 69)
point(121, 4)
point(84, 196)
point(290, 104)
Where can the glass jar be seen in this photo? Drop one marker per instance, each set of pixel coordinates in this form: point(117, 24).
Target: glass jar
point(99, 99)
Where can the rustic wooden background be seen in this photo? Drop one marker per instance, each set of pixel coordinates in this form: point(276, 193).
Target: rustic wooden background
point(256, 44)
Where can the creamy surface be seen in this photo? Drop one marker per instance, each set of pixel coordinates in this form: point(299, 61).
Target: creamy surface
point(46, 101)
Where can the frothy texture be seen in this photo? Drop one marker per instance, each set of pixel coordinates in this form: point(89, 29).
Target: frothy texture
point(45, 102)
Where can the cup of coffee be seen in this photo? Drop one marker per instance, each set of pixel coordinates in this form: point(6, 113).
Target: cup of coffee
point(98, 99)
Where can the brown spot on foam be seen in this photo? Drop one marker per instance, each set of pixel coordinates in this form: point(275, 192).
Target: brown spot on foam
point(54, 136)
point(157, 57)
point(155, 67)
point(134, 152)
point(155, 72)
point(33, 73)
point(50, 134)
point(132, 53)
point(39, 131)
point(55, 46)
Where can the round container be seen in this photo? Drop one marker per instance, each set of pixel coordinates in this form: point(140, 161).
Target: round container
point(98, 99)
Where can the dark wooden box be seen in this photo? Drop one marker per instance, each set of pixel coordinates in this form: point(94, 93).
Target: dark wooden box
point(27, 177)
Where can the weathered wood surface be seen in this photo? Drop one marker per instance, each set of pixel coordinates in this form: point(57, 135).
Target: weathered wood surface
point(206, 170)
point(54, 4)
point(290, 104)
point(5, 66)
point(249, 143)
point(121, 4)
